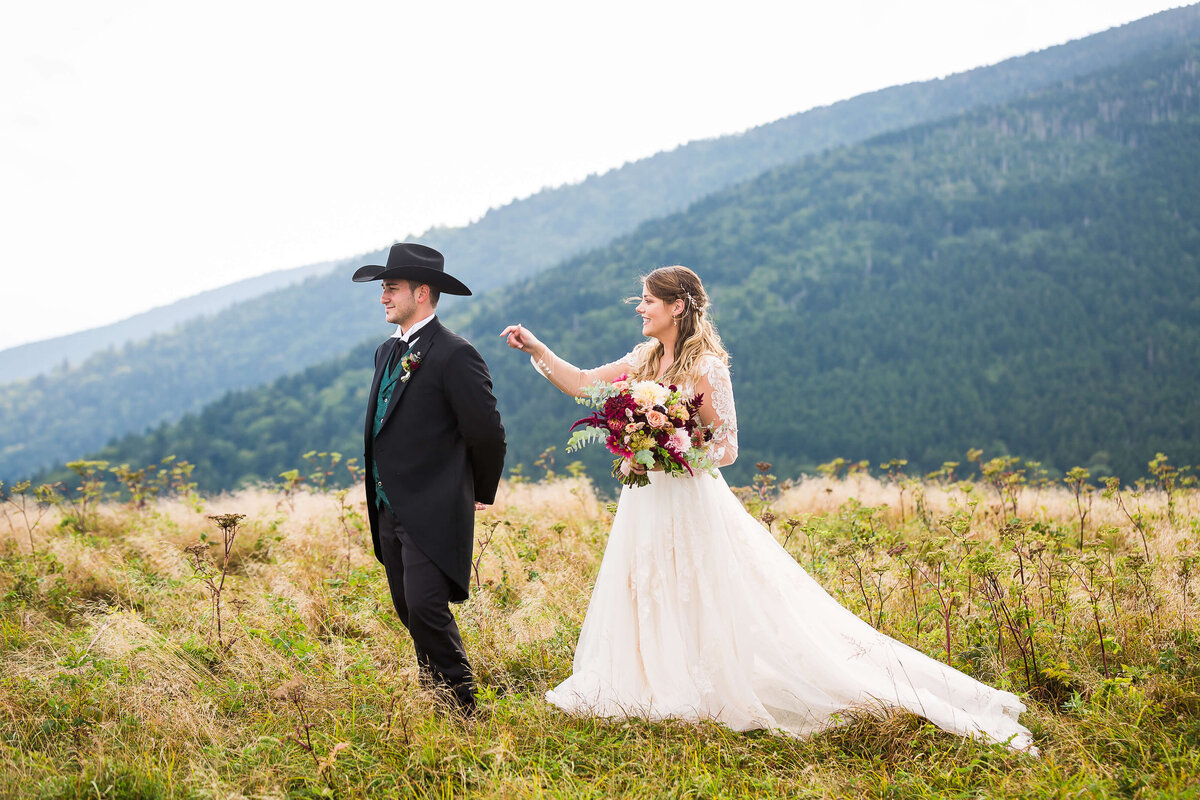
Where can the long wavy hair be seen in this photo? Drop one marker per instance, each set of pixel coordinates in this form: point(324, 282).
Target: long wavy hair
point(697, 335)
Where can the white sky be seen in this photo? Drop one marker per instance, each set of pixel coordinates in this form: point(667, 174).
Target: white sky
point(151, 150)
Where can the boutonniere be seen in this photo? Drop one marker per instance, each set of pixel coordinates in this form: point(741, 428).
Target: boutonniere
point(410, 364)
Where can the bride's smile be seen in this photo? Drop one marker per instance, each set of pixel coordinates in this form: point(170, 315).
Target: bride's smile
point(658, 318)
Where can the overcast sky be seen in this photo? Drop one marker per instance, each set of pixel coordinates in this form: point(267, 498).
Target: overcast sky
point(151, 150)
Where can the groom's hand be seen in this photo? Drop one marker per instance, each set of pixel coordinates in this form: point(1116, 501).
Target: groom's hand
point(480, 506)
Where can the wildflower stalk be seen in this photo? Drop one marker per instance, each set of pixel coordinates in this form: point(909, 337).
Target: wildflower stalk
point(205, 571)
point(44, 497)
point(1077, 482)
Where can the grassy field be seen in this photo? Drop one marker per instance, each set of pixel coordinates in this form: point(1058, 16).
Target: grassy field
point(116, 681)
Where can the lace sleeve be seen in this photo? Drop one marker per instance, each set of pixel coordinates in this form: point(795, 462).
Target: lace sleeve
point(718, 411)
point(571, 379)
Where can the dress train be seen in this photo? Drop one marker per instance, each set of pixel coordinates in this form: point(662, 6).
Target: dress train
point(698, 613)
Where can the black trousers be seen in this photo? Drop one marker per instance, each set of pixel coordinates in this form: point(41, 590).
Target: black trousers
point(421, 594)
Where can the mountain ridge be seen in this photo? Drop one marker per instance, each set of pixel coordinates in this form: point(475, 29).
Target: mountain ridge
point(237, 348)
point(29, 359)
point(1023, 278)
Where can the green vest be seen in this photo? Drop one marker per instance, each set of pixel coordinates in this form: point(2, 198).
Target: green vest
point(388, 387)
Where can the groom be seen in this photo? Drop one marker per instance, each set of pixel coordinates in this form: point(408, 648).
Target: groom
point(434, 454)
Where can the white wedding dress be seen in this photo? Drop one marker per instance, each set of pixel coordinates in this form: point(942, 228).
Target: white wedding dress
point(699, 614)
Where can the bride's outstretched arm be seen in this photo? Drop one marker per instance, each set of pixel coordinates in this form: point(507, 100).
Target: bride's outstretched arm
point(567, 377)
point(718, 411)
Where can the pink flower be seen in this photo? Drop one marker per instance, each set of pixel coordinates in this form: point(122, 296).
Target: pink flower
point(657, 419)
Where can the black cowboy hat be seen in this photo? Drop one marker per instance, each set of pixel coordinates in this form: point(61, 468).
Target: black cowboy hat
point(413, 262)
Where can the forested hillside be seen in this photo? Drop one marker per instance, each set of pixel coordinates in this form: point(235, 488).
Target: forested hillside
point(63, 414)
point(1023, 278)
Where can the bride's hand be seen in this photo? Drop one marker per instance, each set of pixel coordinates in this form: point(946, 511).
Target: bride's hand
point(521, 338)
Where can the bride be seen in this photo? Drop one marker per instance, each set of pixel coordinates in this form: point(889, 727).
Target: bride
point(698, 613)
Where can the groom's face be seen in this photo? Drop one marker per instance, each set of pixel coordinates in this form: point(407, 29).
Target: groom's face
point(399, 302)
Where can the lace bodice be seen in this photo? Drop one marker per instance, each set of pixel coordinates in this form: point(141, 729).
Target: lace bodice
point(713, 382)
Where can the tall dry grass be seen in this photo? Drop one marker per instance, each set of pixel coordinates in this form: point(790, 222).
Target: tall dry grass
point(114, 684)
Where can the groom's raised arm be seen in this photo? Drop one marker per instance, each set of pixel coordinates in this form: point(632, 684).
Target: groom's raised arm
point(469, 392)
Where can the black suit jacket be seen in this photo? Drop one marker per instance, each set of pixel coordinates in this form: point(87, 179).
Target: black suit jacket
point(440, 449)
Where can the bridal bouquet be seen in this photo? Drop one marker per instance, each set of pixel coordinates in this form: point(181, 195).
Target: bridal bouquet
point(644, 422)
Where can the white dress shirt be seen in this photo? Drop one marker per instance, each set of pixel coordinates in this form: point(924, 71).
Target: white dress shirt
point(410, 337)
